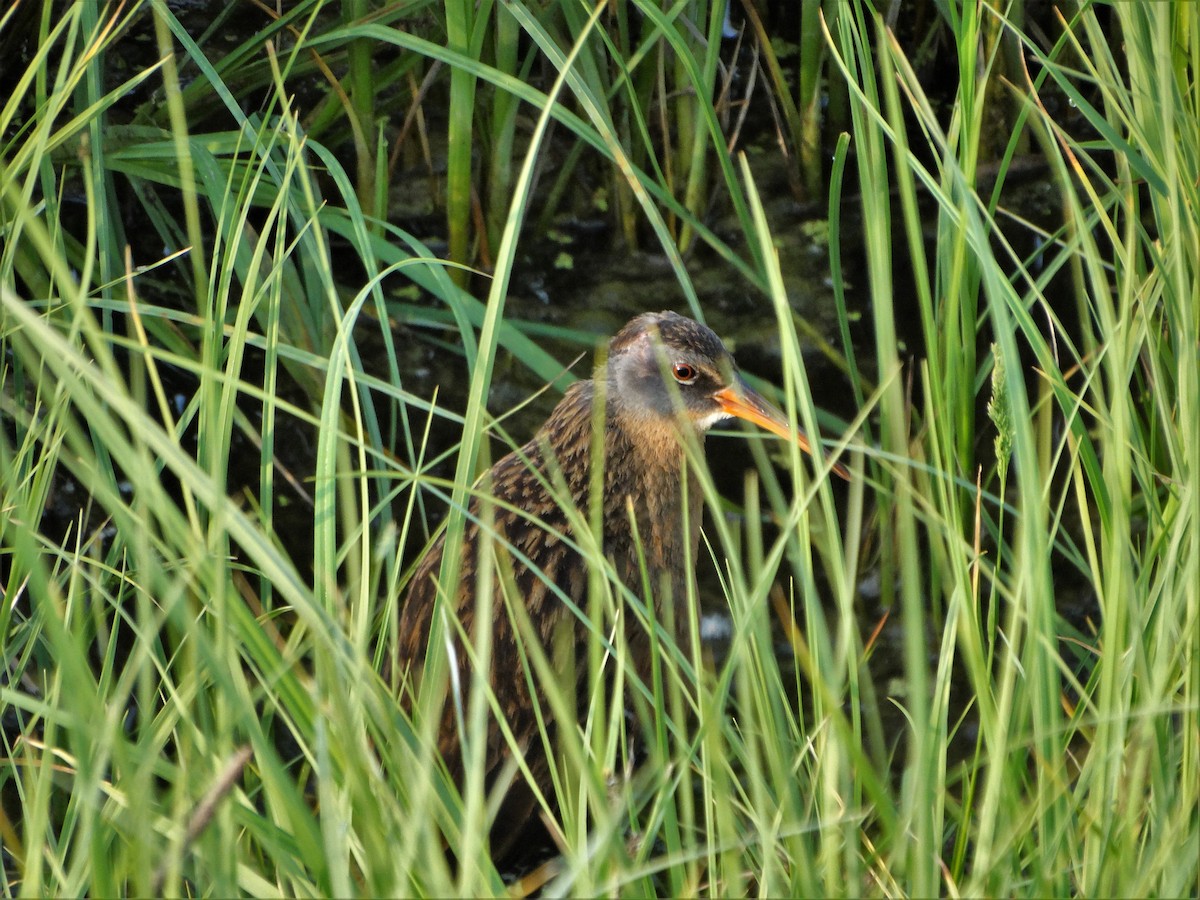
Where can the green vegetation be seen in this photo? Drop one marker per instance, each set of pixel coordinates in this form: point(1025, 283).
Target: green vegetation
point(189, 707)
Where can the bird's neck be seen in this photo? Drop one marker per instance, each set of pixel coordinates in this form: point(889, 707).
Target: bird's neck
point(646, 470)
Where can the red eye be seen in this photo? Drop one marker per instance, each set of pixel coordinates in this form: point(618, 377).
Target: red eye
point(683, 373)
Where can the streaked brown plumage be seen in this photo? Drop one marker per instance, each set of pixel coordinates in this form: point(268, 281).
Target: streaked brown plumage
point(643, 470)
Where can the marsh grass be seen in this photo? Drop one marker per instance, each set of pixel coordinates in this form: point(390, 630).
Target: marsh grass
point(189, 708)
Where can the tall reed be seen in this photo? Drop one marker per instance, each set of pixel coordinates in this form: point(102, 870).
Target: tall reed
point(190, 704)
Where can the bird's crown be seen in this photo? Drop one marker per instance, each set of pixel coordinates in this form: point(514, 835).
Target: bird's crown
point(675, 331)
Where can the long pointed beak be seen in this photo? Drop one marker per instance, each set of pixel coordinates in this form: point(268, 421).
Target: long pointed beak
point(743, 401)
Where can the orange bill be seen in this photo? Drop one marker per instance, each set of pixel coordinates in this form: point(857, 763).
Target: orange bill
point(744, 402)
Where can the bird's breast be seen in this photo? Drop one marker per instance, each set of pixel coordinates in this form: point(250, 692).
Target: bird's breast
point(653, 509)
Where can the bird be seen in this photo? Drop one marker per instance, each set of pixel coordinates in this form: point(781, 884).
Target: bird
point(666, 379)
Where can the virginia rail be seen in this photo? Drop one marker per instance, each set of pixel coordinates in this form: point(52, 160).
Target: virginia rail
point(665, 375)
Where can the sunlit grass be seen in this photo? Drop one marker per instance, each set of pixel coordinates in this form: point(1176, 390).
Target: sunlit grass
point(189, 709)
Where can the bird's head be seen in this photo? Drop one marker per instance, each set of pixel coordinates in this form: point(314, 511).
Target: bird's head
point(666, 367)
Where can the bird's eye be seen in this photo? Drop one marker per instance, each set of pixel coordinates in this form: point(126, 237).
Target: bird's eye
point(683, 373)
